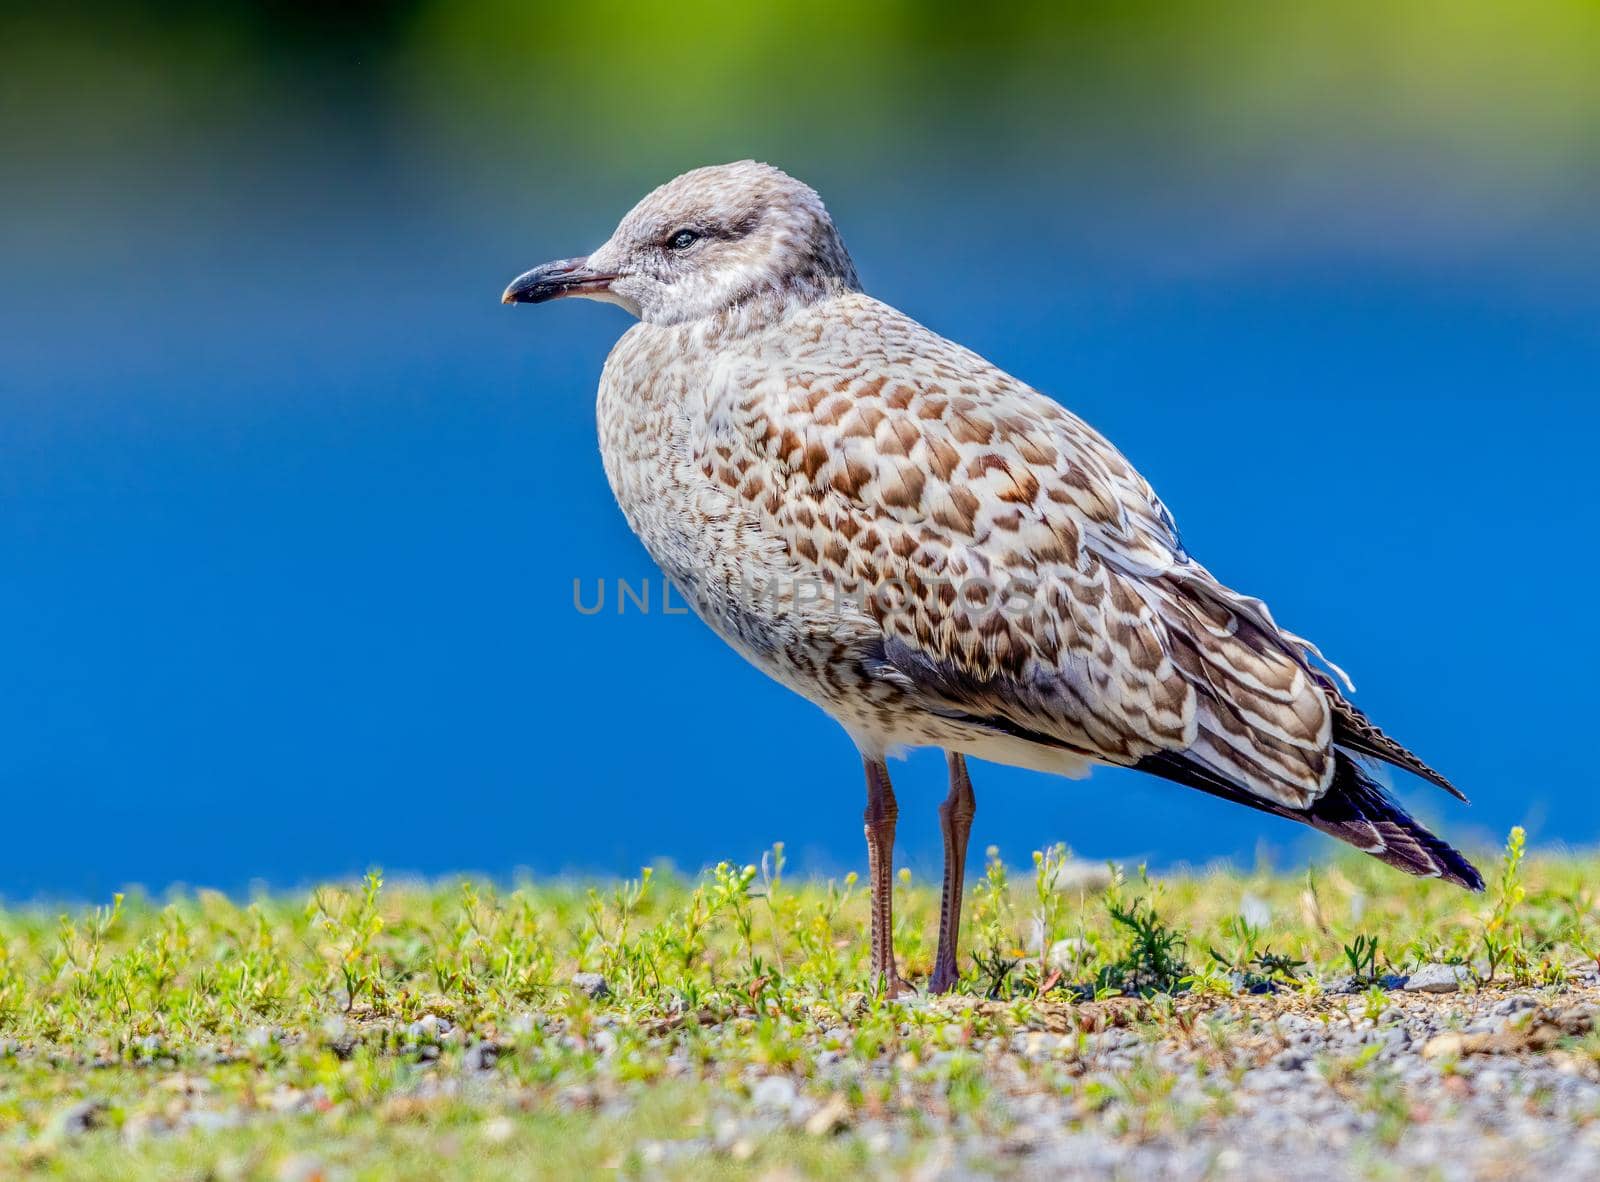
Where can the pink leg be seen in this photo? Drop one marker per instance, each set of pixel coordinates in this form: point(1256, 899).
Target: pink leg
point(955, 820)
point(880, 818)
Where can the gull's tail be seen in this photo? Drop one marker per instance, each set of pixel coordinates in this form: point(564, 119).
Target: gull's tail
point(1355, 809)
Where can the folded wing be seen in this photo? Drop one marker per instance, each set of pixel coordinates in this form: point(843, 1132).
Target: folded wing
point(1025, 576)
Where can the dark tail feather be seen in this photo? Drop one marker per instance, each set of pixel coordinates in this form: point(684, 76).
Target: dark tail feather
point(1354, 731)
point(1354, 809)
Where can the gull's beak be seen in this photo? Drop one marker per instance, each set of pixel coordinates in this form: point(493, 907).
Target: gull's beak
point(564, 277)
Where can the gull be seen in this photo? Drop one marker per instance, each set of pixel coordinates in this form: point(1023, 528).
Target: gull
point(932, 551)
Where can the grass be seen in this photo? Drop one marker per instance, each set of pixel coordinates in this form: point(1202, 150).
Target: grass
point(437, 1030)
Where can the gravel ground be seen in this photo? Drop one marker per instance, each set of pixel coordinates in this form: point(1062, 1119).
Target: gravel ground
point(1437, 1084)
point(1455, 1087)
point(1430, 1081)
point(701, 1031)
point(1420, 1079)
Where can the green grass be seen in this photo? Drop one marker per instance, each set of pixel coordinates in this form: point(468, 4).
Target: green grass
point(434, 1030)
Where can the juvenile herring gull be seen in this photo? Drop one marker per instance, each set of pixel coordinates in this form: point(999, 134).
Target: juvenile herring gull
point(934, 552)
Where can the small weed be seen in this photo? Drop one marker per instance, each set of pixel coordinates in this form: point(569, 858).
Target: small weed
point(996, 970)
point(992, 910)
point(1152, 961)
point(1361, 954)
point(1260, 969)
point(1504, 941)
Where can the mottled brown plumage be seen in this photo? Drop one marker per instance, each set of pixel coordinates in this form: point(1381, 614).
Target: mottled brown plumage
point(928, 548)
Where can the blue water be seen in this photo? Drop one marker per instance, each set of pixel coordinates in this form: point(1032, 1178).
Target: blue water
point(291, 507)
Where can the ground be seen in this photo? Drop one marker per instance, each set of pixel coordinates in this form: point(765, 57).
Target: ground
point(1345, 1021)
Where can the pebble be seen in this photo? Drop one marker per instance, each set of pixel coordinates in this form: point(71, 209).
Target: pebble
point(259, 1038)
point(1068, 955)
point(591, 985)
point(1438, 978)
point(1513, 1005)
point(481, 1056)
point(1254, 910)
point(209, 1121)
point(1250, 983)
point(1076, 875)
point(1291, 1060)
point(81, 1117)
point(832, 1117)
point(302, 1167)
point(774, 1093)
point(1269, 1079)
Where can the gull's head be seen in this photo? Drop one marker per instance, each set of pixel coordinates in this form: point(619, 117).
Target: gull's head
point(706, 242)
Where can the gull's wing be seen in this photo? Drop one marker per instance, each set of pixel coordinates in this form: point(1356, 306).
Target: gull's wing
point(896, 461)
point(893, 461)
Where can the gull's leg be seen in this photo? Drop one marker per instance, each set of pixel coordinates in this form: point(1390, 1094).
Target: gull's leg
point(880, 818)
point(955, 820)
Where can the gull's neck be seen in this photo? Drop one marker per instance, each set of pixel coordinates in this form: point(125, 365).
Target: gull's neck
point(768, 307)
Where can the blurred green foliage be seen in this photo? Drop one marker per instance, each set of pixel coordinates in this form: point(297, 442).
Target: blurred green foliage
point(1501, 95)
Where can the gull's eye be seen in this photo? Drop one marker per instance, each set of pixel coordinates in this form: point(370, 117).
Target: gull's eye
point(682, 240)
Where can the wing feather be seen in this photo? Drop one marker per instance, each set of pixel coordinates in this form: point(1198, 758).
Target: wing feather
point(1097, 630)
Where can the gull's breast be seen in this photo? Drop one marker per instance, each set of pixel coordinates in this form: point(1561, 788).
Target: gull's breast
point(667, 458)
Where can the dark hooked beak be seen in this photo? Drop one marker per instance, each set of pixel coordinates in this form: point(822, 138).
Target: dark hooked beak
point(564, 277)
